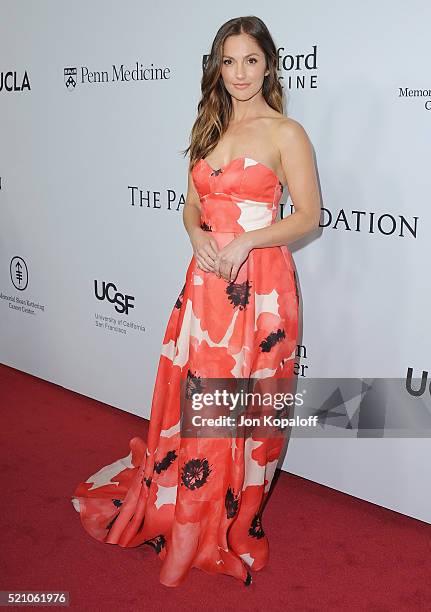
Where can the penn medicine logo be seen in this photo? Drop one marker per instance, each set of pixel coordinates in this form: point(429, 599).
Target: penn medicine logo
point(70, 78)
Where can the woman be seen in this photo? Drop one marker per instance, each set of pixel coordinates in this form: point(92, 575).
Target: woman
point(198, 500)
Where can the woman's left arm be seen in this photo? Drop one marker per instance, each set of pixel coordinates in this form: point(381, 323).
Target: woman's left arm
point(298, 165)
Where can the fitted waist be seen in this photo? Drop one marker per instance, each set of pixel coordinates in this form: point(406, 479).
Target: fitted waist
point(234, 228)
point(228, 213)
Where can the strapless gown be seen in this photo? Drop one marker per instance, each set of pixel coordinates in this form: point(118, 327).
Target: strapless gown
point(198, 502)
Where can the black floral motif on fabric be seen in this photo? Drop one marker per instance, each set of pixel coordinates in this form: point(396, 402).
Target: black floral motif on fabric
point(117, 502)
point(193, 385)
point(256, 530)
point(231, 503)
point(295, 278)
point(147, 480)
point(239, 294)
point(164, 464)
point(206, 227)
point(109, 525)
point(271, 340)
point(157, 543)
point(216, 172)
point(195, 473)
point(179, 301)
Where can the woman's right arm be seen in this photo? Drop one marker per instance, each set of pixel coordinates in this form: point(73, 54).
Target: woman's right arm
point(205, 247)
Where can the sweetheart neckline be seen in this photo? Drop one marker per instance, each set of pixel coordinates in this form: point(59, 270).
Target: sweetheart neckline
point(224, 166)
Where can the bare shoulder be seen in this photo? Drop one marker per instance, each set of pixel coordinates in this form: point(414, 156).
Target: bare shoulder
point(298, 164)
point(290, 133)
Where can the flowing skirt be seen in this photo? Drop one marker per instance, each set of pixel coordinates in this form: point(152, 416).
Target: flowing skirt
point(198, 501)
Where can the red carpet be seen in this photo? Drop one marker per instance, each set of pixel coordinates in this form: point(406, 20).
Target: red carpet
point(329, 551)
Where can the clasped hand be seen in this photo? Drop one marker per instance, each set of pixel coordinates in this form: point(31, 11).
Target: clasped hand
point(224, 262)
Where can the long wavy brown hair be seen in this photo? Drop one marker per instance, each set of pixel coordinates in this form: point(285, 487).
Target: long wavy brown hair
point(215, 105)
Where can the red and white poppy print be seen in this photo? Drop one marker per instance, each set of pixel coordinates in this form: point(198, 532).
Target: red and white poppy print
point(198, 502)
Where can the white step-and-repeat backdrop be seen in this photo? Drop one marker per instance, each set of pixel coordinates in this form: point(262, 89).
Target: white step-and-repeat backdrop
point(97, 100)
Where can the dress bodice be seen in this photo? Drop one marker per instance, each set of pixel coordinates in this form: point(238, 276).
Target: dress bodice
point(238, 197)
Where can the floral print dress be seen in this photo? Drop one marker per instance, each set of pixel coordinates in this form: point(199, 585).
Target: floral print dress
point(198, 501)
